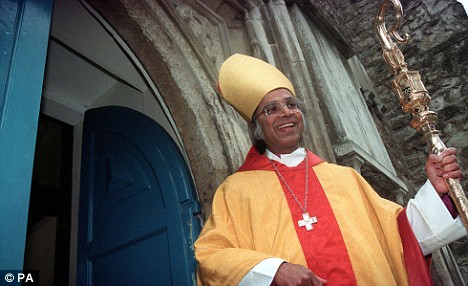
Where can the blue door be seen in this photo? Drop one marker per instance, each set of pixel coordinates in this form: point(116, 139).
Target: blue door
point(24, 36)
point(137, 203)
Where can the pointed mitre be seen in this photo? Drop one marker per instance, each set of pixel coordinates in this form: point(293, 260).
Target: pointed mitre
point(243, 81)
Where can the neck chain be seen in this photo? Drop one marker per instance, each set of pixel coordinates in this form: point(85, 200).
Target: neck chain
point(306, 220)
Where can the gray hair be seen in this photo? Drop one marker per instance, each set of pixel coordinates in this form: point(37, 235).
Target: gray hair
point(256, 136)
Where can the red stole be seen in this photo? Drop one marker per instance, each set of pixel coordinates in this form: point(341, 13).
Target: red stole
point(323, 246)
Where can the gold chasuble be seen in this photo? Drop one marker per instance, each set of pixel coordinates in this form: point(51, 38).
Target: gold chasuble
point(358, 239)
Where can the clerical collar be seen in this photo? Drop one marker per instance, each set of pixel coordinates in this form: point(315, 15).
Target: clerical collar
point(291, 160)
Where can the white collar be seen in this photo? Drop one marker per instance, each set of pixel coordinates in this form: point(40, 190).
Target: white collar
point(291, 160)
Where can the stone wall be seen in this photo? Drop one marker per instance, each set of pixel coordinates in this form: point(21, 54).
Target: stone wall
point(438, 49)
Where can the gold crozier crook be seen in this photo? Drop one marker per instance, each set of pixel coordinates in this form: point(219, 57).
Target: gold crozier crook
point(414, 97)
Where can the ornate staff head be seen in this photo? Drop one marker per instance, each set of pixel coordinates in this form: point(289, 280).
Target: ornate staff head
point(414, 98)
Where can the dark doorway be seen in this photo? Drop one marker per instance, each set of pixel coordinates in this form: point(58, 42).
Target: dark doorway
point(48, 235)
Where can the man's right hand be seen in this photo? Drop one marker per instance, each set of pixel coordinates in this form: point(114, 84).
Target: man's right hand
point(294, 274)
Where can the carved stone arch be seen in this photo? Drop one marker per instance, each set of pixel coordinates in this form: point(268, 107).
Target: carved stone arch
point(184, 72)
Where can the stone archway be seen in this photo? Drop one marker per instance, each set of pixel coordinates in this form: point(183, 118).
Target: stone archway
point(185, 76)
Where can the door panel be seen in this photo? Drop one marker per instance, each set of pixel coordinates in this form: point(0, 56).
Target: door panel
point(151, 269)
point(137, 203)
point(24, 36)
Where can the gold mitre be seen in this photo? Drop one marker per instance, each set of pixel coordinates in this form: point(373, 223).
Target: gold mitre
point(243, 81)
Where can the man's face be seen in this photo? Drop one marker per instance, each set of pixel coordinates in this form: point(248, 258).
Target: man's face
point(283, 129)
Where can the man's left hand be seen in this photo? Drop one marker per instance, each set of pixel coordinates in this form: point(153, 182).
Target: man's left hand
point(441, 167)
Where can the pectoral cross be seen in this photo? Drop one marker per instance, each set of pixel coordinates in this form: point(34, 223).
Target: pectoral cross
point(307, 221)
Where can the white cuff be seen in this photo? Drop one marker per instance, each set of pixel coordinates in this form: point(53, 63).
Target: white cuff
point(431, 222)
point(263, 273)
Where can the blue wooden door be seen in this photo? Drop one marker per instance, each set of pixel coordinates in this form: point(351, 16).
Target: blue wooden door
point(137, 203)
point(24, 36)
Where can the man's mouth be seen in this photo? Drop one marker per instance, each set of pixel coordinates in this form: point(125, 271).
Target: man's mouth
point(286, 126)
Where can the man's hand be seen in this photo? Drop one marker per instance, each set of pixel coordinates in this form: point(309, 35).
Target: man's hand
point(294, 274)
point(443, 166)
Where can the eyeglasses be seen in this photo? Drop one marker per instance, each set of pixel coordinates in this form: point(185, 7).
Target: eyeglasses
point(274, 108)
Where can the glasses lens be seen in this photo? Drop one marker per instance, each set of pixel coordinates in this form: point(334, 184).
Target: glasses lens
point(272, 108)
point(292, 104)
